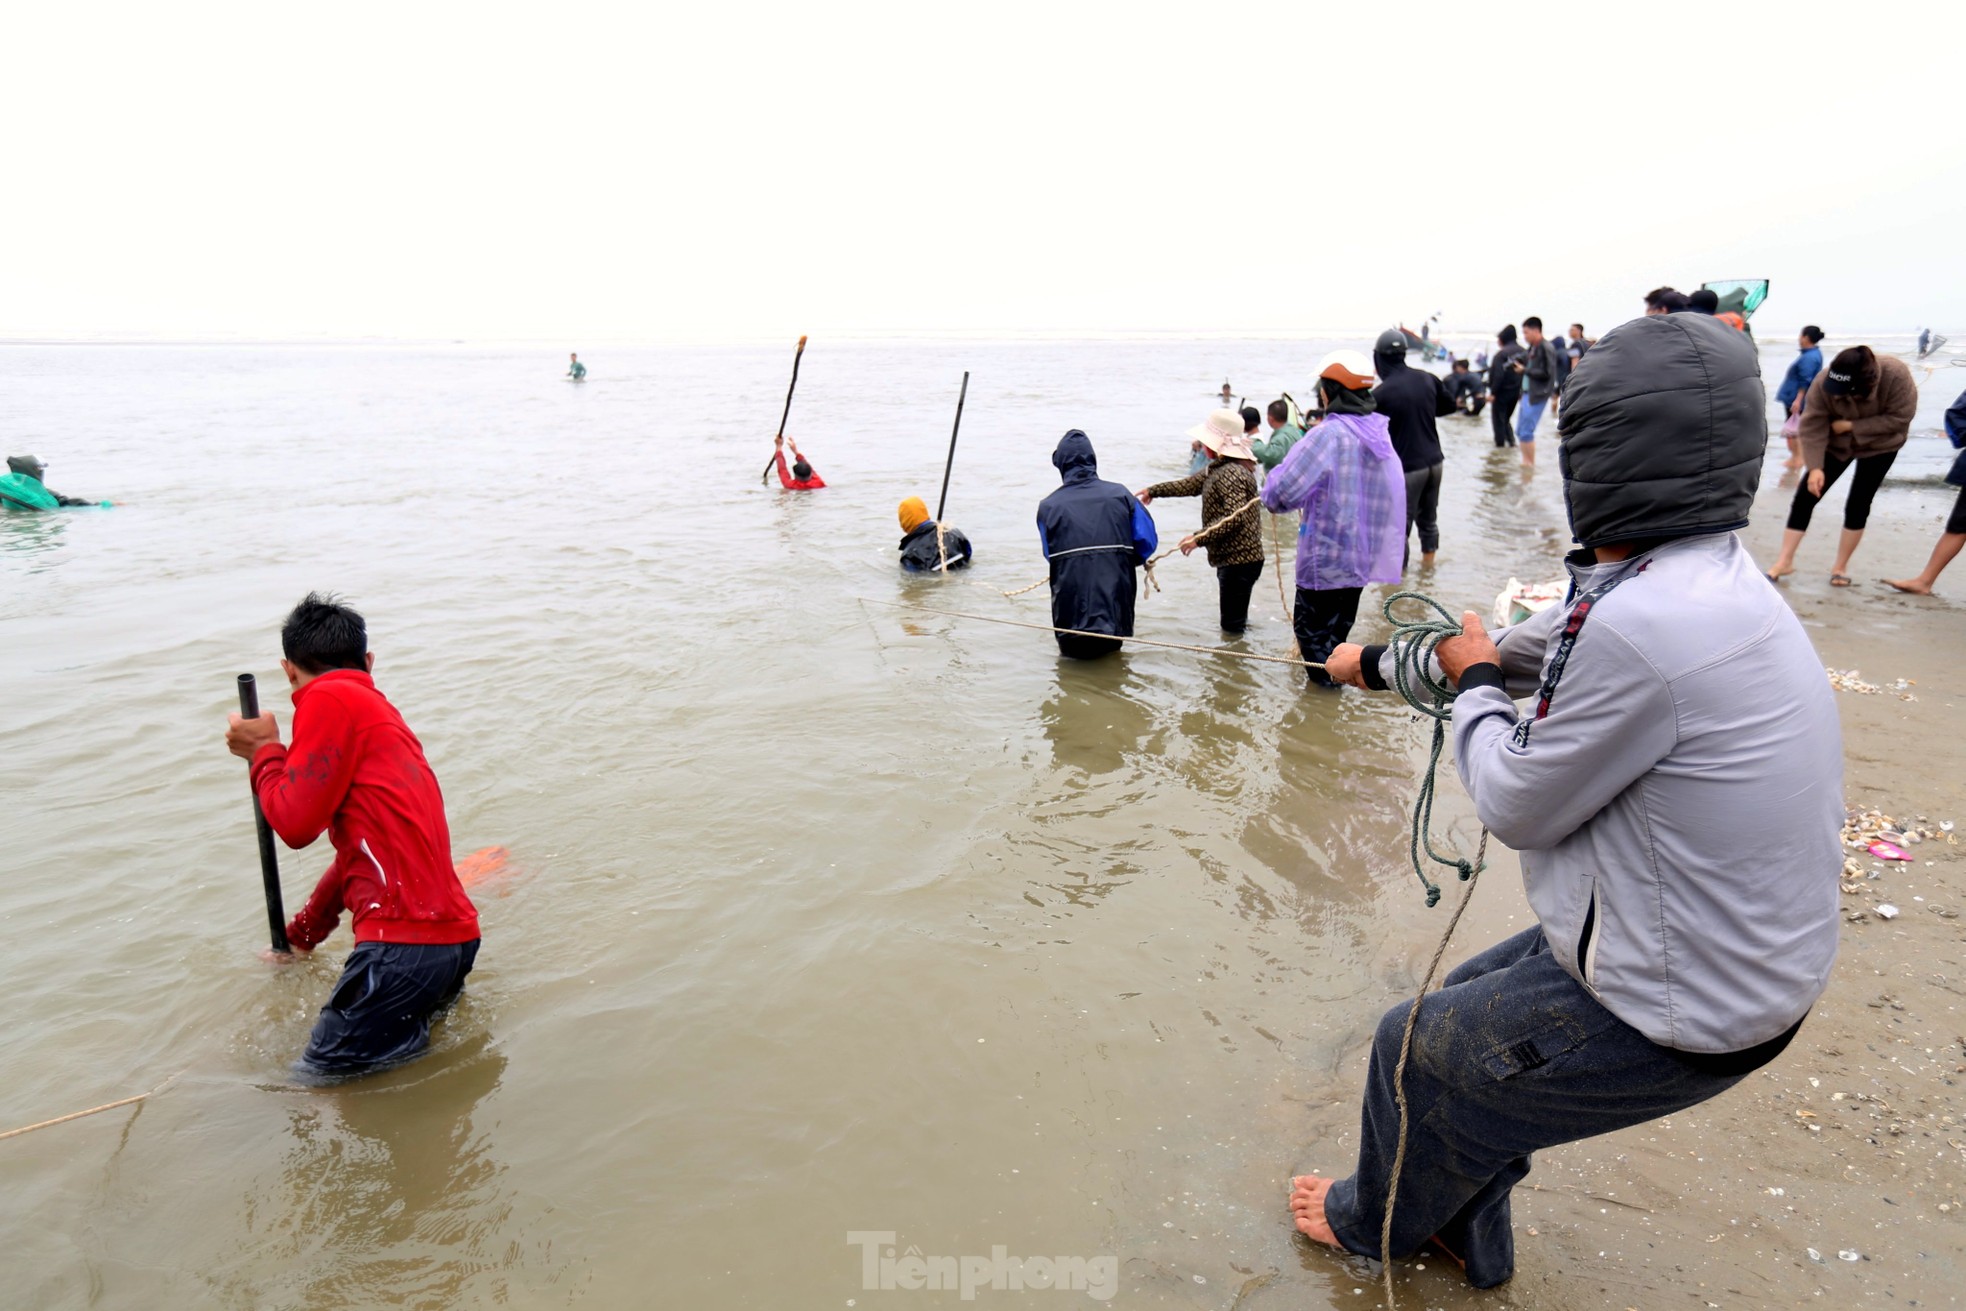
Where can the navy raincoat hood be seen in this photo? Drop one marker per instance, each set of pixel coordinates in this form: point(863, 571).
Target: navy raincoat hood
point(1074, 458)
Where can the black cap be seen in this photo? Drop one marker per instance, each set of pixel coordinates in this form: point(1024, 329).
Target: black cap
point(1391, 342)
point(30, 465)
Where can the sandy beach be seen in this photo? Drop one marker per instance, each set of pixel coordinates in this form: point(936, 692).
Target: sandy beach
point(1836, 1176)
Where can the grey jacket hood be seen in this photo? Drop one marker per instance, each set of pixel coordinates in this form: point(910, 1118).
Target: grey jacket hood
point(1663, 432)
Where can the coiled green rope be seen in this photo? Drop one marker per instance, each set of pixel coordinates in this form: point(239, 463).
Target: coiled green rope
point(1414, 642)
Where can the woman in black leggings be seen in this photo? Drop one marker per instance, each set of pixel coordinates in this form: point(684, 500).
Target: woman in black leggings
point(1858, 411)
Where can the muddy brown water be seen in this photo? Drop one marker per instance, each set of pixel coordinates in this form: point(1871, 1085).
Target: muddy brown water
point(822, 919)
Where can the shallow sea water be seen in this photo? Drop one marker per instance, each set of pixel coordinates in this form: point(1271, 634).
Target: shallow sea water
point(822, 917)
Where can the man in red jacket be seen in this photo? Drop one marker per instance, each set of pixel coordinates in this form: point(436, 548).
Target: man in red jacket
point(803, 477)
point(357, 771)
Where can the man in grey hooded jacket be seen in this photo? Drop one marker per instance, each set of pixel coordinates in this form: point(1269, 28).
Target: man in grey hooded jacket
point(1675, 791)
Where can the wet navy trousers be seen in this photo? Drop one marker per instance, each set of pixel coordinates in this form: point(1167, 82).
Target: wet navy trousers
point(1323, 619)
point(1510, 1055)
point(380, 1011)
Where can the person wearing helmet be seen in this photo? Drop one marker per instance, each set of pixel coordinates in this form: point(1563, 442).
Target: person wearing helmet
point(1676, 795)
point(1411, 400)
point(1344, 476)
point(21, 487)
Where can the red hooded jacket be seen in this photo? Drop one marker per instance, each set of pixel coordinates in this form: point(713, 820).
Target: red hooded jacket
point(362, 776)
point(808, 484)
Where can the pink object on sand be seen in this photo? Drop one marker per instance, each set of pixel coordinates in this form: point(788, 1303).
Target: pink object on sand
point(1888, 850)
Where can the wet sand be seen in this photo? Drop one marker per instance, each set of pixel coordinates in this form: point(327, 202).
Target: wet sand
point(1854, 1140)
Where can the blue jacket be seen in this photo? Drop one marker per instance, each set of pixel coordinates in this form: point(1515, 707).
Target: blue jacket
point(1095, 533)
point(1802, 371)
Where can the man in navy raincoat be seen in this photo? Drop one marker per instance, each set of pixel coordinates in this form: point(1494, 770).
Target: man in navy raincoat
point(1095, 533)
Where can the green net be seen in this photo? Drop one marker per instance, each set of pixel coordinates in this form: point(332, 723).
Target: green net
point(1742, 296)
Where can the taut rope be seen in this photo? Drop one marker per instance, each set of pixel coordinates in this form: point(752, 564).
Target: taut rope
point(1153, 584)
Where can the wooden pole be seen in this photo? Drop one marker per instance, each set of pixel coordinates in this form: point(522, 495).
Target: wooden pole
point(788, 407)
point(950, 463)
point(269, 860)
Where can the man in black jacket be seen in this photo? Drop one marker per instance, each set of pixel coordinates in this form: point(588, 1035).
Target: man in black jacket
point(1504, 385)
point(1541, 369)
point(1411, 400)
point(1464, 385)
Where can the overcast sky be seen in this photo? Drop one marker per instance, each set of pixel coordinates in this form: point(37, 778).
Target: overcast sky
point(587, 172)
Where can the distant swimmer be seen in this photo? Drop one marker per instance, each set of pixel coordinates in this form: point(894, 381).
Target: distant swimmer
point(356, 772)
point(1228, 397)
point(803, 477)
point(929, 547)
point(577, 371)
point(1095, 534)
point(21, 488)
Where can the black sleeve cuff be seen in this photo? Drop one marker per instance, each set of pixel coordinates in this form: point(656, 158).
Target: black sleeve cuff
point(1368, 666)
point(1486, 674)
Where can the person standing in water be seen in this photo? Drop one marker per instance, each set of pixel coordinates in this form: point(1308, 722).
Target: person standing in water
point(1504, 386)
point(21, 488)
point(1541, 368)
point(1412, 401)
point(1465, 389)
point(1234, 540)
point(1283, 435)
point(927, 546)
point(1095, 534)
point(1345, 478)
point(356, 771)
point(1859, 411)
point(803, 477)
point(576, 370)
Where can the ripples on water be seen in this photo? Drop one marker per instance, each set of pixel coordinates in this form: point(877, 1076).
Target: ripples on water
point(822, 916)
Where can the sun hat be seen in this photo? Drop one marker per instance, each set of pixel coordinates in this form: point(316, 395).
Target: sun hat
point(1221, 432)
point(1349, 369)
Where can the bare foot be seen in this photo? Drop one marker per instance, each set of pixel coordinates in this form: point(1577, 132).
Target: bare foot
point(1426, 559)
point(1780, 572)
point(1916, 586)
point(1307, 1209)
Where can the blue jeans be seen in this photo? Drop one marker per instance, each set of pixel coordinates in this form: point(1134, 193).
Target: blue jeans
point(1510, 1055)
point(1528, 417)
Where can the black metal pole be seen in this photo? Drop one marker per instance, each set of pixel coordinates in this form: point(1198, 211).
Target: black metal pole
point(796, 357)
point(269, 860)
point(950, 464)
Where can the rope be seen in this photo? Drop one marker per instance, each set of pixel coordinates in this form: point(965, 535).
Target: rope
point(1399, 1072)
point(1276, 540)
point(93, 1110)
point(1152, 583)
point(1414, 644)
point(1075, 632)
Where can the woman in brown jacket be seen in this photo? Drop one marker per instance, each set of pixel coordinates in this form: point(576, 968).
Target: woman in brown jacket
point(1859, 412)
point(1234, 541)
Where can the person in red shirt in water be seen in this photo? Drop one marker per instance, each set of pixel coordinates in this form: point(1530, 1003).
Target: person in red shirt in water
point(803, 477)
point(355, 770)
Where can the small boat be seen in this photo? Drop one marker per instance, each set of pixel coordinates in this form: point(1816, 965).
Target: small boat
point(1519, 600)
